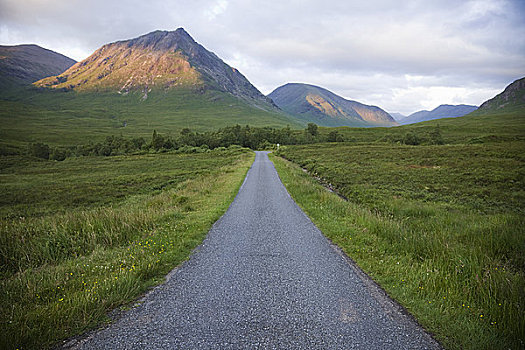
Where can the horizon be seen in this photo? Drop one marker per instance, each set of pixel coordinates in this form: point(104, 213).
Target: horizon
point(362, 52)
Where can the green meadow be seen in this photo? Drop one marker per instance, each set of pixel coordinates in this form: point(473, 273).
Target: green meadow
point(439, 227)
point(71, 118)
point(81, 237)
point(434, 211)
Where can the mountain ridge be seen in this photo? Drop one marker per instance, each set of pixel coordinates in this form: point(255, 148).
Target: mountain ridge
point(442, 111)
point(316, 104)
point(24, 64)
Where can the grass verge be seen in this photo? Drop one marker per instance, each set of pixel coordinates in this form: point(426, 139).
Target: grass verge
point(63, 271)
point(455, 269)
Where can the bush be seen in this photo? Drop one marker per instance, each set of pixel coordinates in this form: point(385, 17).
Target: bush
point(435, 137)
point(312, 129)
point(411, 139)
point(57, 154)
point(39, 150)
point(265, 145)
point(334, 136)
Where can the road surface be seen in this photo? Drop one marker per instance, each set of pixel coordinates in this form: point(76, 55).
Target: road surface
point(264, 278)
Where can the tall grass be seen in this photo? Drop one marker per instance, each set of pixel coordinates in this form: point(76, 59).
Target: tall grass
point(32, 242)
point(453, 257)
point(62, 272)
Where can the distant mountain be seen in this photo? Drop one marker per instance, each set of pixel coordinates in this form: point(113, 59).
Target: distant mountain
point(512, 98)
point(160, 60)
point(443, 111)
point(25, 64)
point(397, 116)
point(311, 103)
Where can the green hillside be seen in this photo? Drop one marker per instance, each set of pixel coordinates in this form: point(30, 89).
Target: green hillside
point(473, 128)
point(510, 99)
point(64, 118)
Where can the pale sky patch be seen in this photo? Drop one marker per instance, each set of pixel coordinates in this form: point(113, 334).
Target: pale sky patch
point(216, 9)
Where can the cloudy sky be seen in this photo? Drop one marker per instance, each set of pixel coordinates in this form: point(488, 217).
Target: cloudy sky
point(403, 56)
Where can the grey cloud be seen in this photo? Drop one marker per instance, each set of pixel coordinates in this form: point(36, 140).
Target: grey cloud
point(377, 51)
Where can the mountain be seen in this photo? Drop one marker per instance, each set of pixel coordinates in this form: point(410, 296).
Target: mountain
point(397, 116)
point(25, 64)
point(443, 111)
point(512, 98)
point(161, 81)
point(311, 103)
point(160, 60)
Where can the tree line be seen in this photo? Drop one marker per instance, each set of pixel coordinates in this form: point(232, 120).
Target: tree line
point(188, 141)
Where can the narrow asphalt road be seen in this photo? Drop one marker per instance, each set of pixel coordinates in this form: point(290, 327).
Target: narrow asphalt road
point(264, 278)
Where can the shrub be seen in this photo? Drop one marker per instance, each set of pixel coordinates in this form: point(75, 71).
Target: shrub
point(411, 139)
point(39, 150)
point(312, 129)
point(58, 154)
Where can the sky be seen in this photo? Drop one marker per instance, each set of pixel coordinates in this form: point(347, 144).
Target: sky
point(402, 56)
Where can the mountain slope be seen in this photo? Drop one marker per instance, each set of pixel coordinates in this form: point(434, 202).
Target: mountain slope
point(311, 103)
point(443, 111)
point(160, 60)
point(397, 116)
point(512, 98)
point(161, 81)
point(25, 64)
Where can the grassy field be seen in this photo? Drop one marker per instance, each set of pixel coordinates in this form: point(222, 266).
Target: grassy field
point(60, 118)
point(83, 236)
point(476, 128)
point(440, 228)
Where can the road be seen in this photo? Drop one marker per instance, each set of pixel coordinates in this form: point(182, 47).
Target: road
point(264, 278)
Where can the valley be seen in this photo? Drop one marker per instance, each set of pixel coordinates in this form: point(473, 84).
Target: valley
point(113, 169)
